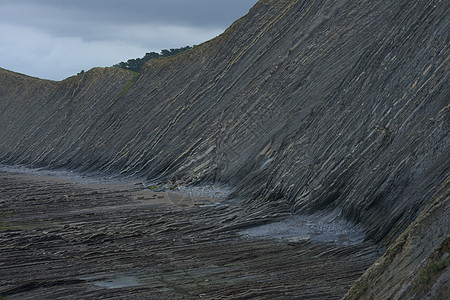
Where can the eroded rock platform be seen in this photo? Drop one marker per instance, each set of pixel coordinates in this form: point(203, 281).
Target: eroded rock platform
point(62, 239)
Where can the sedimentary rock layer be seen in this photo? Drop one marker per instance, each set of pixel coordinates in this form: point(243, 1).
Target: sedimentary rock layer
point(320, 105)
point(328, 104)
point(415, 266)
point(61, 240)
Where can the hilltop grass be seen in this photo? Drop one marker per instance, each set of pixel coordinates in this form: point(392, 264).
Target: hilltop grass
point(129, 84)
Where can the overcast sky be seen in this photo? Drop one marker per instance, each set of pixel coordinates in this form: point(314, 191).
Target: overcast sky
point(55, 39)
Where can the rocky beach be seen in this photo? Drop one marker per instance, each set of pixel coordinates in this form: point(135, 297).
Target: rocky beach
point(71, 238)
point(302, 153)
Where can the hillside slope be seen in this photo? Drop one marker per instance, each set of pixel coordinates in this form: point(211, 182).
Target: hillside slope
point(324, 105)
point(415, 266)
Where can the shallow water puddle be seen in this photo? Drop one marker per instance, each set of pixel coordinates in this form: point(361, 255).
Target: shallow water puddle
point(315, 228)
point(181, 279)
point(118, 282)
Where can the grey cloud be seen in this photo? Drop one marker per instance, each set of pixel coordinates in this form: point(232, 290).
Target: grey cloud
point(37, 36)
point(181, 12)
point(93, 20)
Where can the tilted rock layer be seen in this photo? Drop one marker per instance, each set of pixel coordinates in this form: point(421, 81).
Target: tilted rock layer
point(329, 105)
point(415, 266)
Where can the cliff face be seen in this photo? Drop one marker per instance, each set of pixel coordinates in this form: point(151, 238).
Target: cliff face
point(415, 266)
point(327, 105)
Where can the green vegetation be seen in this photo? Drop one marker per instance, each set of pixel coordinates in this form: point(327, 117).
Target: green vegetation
point(435, 266)
point(137, 63)
point(14, 225)
point(6, 226)
point(129, 84)
point(429, 272)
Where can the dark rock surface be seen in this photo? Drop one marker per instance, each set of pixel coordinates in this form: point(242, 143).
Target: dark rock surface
point(300, 106)
point(415, 266)
point(61, 240)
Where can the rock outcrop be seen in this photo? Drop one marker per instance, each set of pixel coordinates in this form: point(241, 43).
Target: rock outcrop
point(324, 105)
point(415, 266)
point(61, 239)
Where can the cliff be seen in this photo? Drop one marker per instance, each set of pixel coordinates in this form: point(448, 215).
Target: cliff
point(415, 266)
point(321, 105)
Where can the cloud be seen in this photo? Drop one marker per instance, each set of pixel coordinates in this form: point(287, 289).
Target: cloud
point(179, 12)
point(55, 39)
point(50, 57)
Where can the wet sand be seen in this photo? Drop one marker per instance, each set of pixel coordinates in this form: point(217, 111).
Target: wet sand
point(63, 240)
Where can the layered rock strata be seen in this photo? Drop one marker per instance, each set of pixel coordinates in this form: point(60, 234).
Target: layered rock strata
point(321, 105)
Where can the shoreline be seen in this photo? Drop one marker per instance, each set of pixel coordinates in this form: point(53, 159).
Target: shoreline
point(60, 239)
point(137, 189)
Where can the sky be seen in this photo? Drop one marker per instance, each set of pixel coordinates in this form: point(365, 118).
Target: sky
point(55, 39)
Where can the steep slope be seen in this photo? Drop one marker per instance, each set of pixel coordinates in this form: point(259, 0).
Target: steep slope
point(416, 265)
point(43, 119)
point(326, 105)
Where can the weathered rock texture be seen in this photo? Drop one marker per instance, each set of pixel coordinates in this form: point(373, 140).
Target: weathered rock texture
point(60, 240)
point(327, 105)
point(416, 265)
